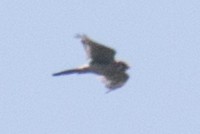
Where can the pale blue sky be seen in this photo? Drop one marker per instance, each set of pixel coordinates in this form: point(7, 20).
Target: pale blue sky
point(160, 39)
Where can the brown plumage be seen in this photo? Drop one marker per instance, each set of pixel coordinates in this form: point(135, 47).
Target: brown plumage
point(102, 62)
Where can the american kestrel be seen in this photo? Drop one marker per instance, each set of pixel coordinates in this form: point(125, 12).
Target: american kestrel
point(102, 62)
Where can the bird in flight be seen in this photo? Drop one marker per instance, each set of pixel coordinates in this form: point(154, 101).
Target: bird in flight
point(102, 62)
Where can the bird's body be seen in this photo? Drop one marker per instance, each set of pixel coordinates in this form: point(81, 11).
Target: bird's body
point(101, 63)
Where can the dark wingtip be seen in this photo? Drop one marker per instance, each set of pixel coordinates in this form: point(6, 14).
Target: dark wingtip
point(56, 74)
point(53, 75)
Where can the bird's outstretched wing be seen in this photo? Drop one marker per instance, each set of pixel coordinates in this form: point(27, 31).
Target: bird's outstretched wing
point(97, 52)
point(73, 71)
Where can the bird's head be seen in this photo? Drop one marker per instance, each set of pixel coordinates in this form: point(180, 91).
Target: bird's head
point(122, 66)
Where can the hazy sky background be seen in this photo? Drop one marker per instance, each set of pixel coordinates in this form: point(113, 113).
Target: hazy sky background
point(160, 39)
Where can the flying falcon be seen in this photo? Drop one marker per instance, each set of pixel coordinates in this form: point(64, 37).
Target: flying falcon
point(102, 62)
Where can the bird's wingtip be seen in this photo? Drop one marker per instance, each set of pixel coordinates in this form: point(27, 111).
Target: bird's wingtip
point(80, 36)
point(57, 74)
point(54, 75)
